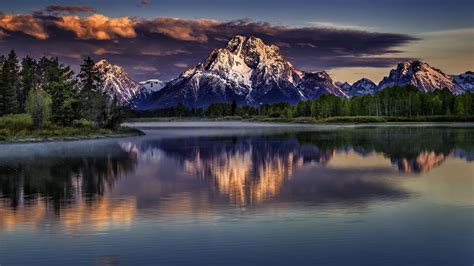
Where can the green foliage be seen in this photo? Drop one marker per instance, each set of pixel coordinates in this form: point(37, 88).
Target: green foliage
point(16, 122)
point(9, 84)
point(82, 123)
point(28, 79)
point(354, 119)
point(38, 106)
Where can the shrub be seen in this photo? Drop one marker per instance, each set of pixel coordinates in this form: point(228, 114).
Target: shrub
point(38, 105)
point(16, 122)
point(82, 123)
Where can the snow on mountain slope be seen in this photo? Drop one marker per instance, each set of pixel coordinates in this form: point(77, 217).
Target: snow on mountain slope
point(420, 75)
point(151, 85)
point(247, 71)
point(465, 81)
point(361, 87)
point(117, 82)
point(344, 86)
point(314, 85)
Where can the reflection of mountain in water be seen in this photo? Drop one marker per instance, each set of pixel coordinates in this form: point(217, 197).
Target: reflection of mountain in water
point(412, 149)
point(251, 169)
point(245, 169)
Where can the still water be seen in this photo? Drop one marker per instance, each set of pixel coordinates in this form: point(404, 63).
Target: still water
point(237, 193)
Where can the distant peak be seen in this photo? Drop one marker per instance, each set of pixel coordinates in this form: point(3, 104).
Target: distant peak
point(102, 62)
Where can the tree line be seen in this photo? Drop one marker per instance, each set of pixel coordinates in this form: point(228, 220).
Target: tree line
point(405, 101)
point(51, 92)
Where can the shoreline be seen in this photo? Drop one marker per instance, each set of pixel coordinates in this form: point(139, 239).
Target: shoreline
point(121, 133)
point(313, 121)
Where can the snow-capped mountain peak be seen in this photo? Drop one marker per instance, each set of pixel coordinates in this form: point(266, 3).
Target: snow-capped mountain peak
point(117, 82)
point(343, 85)
point(465, 81)
point(420, 75)
point(361, 87)
point(245, 70)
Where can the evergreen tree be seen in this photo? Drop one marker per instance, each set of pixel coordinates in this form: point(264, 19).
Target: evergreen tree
point(9, 88)
point(2, 87)
point(94, 101)
point(28, 78)
point(416, 104)
point(234, 107)
point(459, 106)
point(59, 83)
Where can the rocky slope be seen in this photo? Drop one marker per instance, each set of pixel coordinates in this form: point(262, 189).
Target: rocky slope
point(465, 81)
point(247, 71)
point(117, 82)
point(361, 87)
point(420, 75)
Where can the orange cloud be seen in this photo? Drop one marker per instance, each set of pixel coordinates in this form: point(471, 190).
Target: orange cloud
point(98, 27)
point(183, 29)
point(22, 23)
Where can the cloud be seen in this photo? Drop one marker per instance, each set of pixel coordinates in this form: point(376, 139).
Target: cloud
point(22, 23)
point(182, 65)
point(145, 68)
point(333, 25)
point(57, 9)
point(168, 44)
point(144, 2)
point(181, 29)
point(98, 27)
point(102, 51)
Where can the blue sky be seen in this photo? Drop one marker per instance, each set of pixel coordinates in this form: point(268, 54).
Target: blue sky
point(444, 29)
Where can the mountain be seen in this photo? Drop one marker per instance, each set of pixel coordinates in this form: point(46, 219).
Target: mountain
point(247, 71)
point(361, 87)
point(313, 85)
point(344, 86)
point(465, 81)
point(420, 75)
point(117, 82)
point(148, 87)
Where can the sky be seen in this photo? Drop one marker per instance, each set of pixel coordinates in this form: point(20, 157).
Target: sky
point(160, 39)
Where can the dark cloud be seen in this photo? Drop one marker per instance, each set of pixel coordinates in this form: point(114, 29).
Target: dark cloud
point(161, 47)
point(57, 9)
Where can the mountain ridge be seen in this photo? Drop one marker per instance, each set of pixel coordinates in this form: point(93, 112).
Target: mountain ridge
point(248, 71)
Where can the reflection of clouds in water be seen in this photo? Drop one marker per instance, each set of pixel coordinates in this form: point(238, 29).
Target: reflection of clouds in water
point(451, 184)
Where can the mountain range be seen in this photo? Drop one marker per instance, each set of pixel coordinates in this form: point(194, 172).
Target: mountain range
point(248, 71)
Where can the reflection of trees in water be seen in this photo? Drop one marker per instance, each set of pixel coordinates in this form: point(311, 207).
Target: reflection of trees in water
point(250, 169)
point(62, 178)
point(412, 149)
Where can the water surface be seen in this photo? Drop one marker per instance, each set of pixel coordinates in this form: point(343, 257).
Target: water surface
point(240, 193)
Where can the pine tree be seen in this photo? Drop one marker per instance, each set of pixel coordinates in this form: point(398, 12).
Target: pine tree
point(94, 100)
point(58, 81)
point(28, 78)
point(9, 85)
point(2, 87)
point(459, 106)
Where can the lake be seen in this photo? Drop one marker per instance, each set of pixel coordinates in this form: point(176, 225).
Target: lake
point(236, 193)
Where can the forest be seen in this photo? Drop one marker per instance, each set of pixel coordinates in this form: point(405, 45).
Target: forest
point(405, 101)
point(46, 97)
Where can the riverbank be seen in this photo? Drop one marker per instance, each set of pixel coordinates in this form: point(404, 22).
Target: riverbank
point(313, 120)
point(19, 129)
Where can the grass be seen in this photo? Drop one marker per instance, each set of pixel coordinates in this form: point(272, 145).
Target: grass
point(19, 128)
